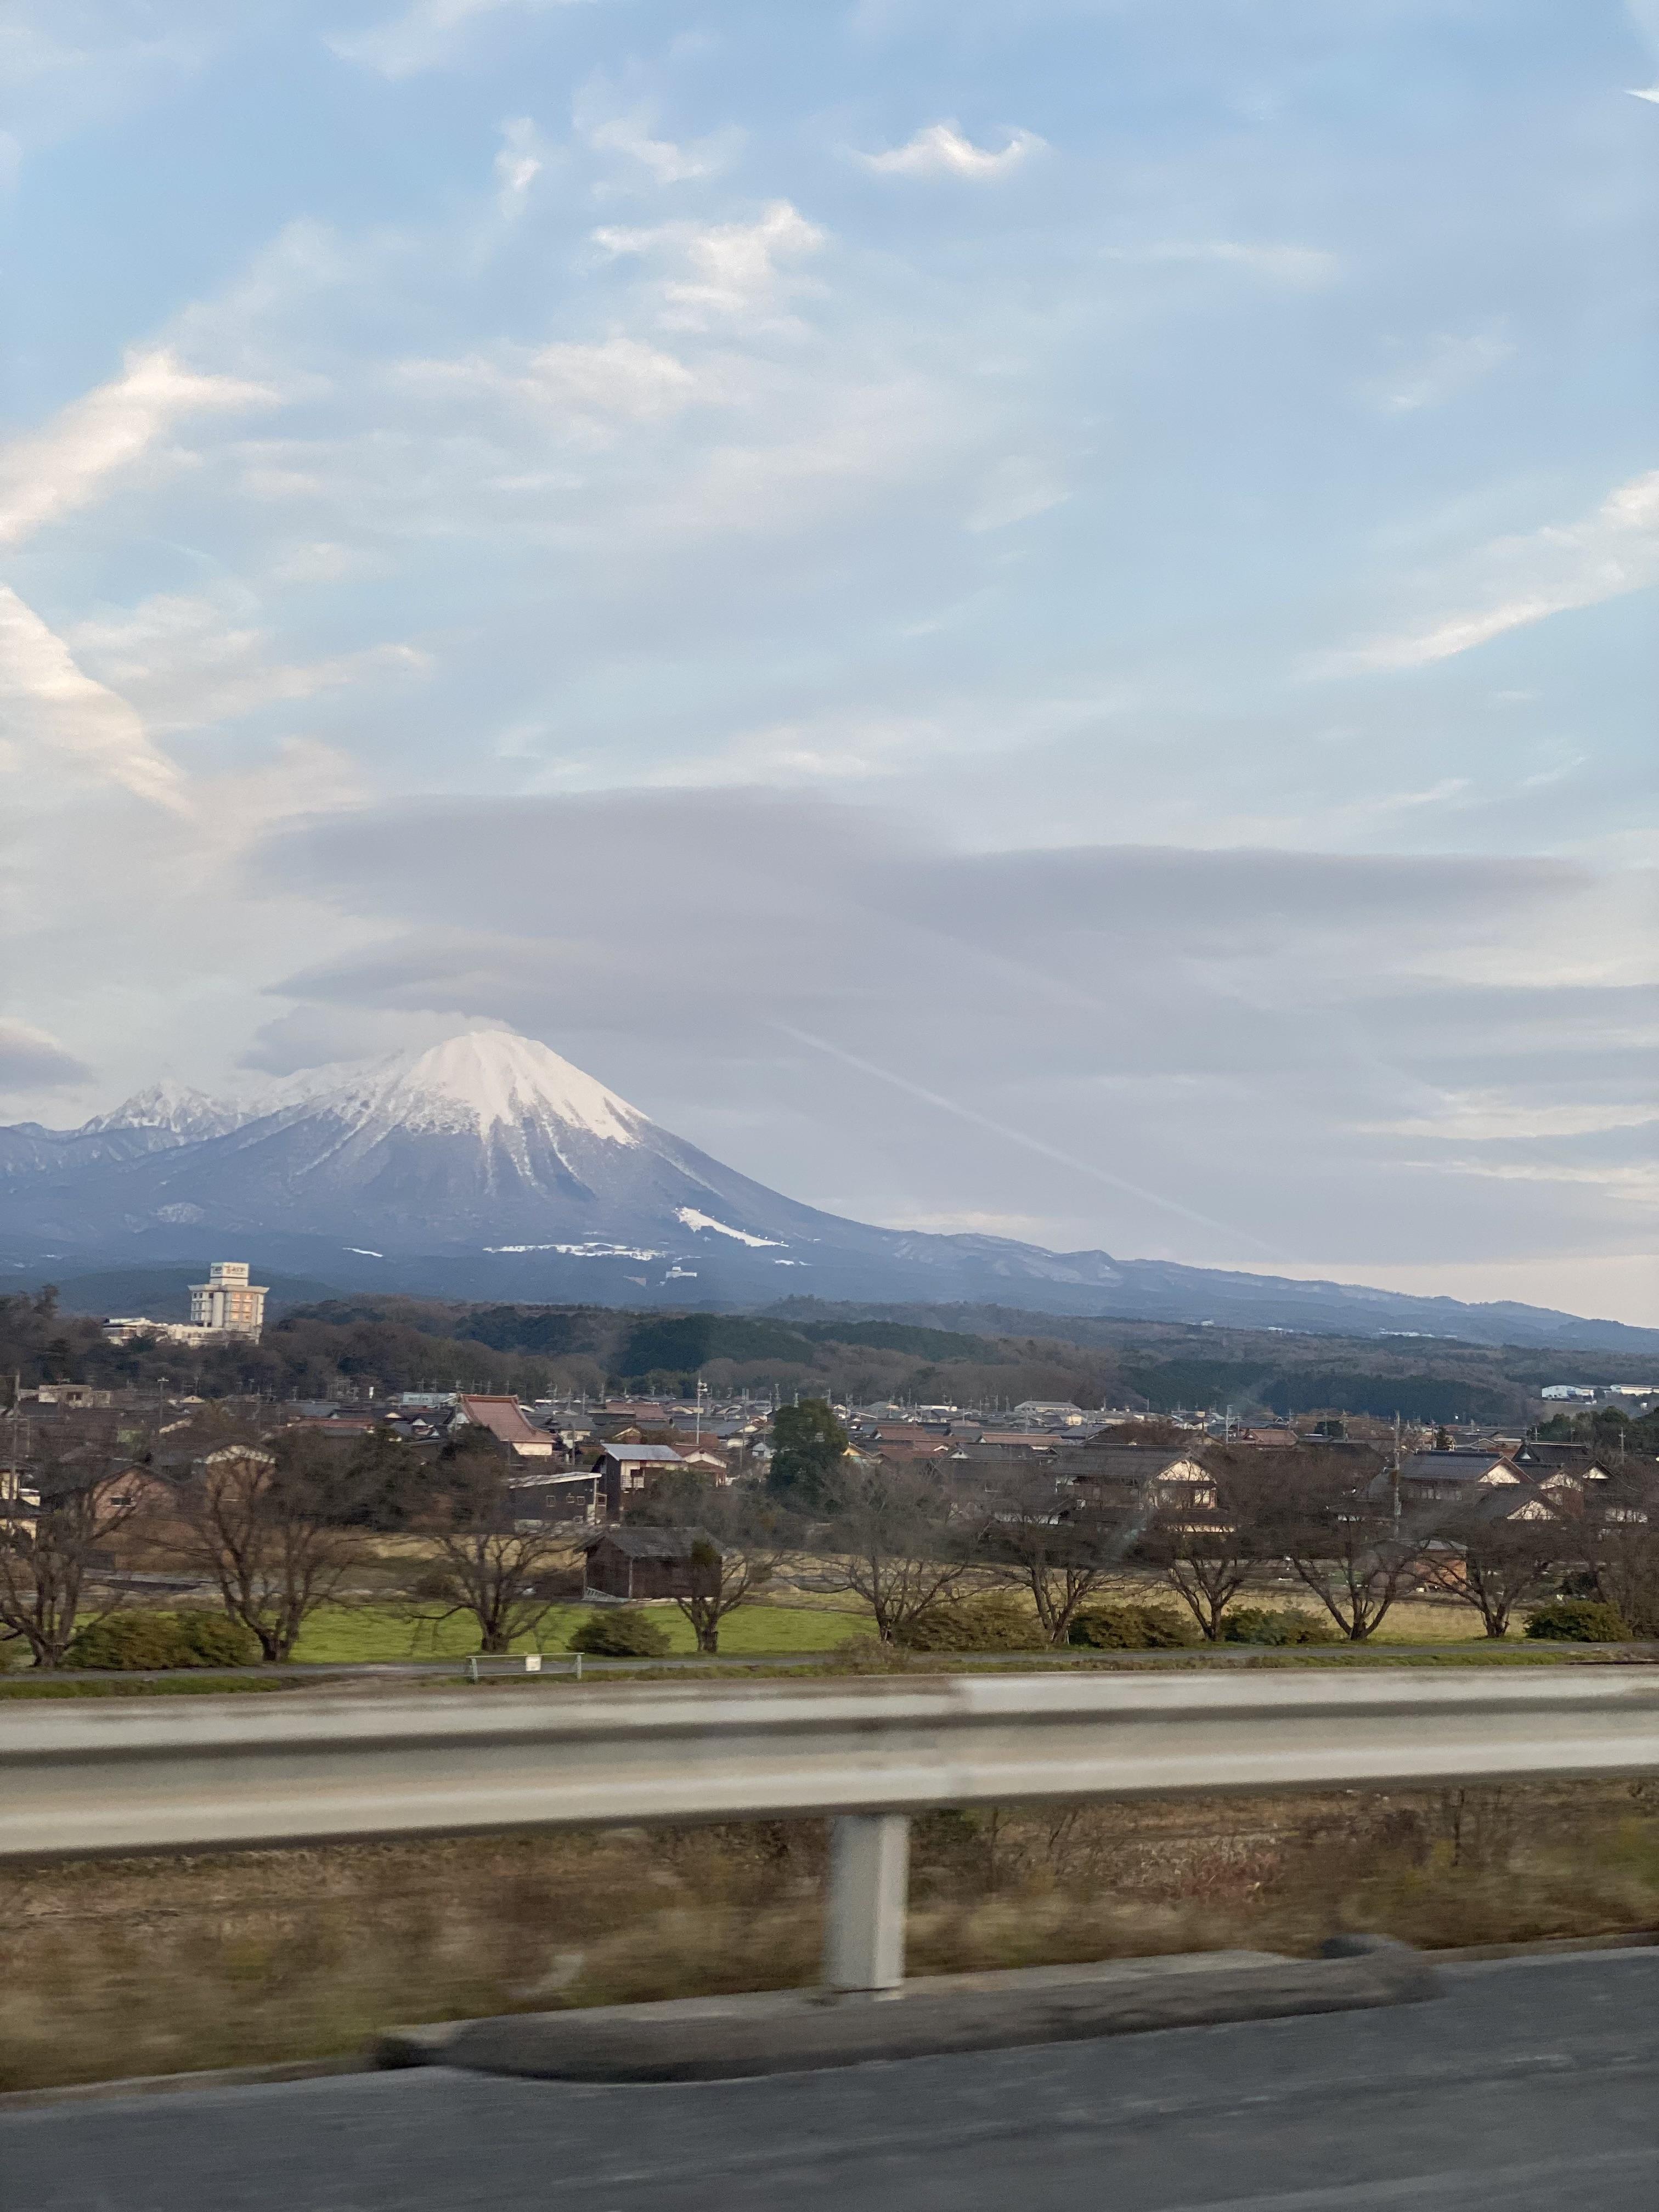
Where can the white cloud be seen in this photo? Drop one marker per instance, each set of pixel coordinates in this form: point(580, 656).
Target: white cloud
point(66, 63)
point(733, 266)
point(321, 561)
point(1302, 266)
point(518, 165)
point(185, 661)
point(614, 377)
point(426, 35)
point(56, 708)
point(1525, 579)
point(1645, 14)
point(1482, 1116)
point(64, 465)
point(941, 149)
point(1449, 365)
point(35, 1059)
point(620, 376)
point(632, 134)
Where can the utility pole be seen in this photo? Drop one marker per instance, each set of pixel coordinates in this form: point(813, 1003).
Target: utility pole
point(1394, 1473)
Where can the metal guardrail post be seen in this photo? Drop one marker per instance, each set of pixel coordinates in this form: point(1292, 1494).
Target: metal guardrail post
point(869, 1892)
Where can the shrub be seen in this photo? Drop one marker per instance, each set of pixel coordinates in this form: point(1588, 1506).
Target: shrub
point(1578, 1620)
point(1132, 1628)
point(213, 1639)
point(131, 1641)
point(996, 1622)
point(1277, 1625)
point(128, 1641)
point(621, 1632)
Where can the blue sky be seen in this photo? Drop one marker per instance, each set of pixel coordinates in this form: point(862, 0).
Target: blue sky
point(951, 598)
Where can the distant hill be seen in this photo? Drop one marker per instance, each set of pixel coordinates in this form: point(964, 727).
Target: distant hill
point(920, 1354)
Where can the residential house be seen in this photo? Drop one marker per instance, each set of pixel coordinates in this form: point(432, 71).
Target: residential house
point(555, 1493)
point(625, 1470)
point(917, 1450)
point(1445, 1478)
point(504, 1419)
point(713, 1463)
point(1050, 1412)
point(1125, 1474)
point(1559, 1467)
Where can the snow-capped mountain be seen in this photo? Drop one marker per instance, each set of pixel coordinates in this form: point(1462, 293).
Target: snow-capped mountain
point(174, 1109)
point(491, 1144)
point(488, 1167)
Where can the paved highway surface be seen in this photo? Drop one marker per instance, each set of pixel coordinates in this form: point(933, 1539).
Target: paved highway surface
point(1532, 2085)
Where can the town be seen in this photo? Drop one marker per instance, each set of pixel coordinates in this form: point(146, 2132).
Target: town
point(1008, 1525)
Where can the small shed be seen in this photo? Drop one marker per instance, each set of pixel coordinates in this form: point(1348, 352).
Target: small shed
point(641, 1565)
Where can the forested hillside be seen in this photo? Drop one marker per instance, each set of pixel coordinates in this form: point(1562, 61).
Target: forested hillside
point(982, 1355)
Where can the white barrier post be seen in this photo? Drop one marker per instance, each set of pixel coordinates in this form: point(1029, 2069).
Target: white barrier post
point(869, 1890)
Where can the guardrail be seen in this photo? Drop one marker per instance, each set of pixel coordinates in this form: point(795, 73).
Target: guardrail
point(205, 1774)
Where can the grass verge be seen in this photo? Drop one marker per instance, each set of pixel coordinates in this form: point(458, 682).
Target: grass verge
point(159, 1965)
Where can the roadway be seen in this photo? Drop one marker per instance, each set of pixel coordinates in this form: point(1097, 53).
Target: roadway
point(1533, 2083)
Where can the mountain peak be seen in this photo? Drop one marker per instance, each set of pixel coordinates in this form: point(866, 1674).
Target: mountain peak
point(175, 1106)
point(490, 1078)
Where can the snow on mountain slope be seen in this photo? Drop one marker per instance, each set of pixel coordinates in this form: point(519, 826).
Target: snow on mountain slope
point(176, 1107)
point(486, 1080)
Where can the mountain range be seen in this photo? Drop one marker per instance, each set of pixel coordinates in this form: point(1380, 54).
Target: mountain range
point(490, 1168)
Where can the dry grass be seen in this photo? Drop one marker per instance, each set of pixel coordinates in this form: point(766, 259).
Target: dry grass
point(157, 1965)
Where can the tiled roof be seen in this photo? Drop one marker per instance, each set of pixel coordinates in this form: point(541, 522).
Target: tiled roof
point(504, 1419)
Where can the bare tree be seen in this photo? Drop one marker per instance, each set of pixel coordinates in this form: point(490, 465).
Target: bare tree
point(1496, 1560)
point(1040, 1536)
point(1617, 1525)
point(267, 1520)
point(67, 1502)
point(1334, 1522)
point(493, 1561)
point(893, 1543)
point(740, 1538)
point(1208, 1548)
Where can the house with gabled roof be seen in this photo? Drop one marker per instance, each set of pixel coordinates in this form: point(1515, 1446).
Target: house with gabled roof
point(503, 1418)
point(625, 1472)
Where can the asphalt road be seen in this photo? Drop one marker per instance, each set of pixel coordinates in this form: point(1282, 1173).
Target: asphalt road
point(1531, 2085)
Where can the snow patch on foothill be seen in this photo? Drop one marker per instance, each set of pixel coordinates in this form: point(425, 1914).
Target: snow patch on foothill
point(693, 1219)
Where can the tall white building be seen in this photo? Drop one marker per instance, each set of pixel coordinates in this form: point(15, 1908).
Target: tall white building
point(227, 1302)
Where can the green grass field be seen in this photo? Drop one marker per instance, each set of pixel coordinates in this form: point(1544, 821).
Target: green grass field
point(378, 1631)
point(349, 1634)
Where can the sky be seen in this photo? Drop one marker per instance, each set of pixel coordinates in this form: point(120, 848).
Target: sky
point(1036, 619)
